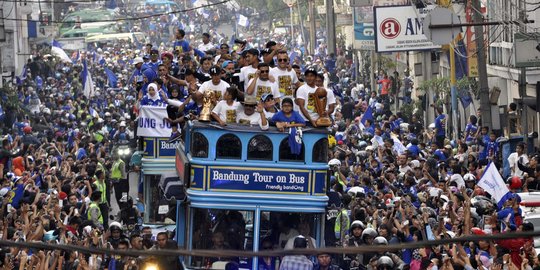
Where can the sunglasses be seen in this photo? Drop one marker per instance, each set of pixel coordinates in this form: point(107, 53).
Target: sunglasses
point(249, 106)
point(282, 60)
point(264, 71)
point(224, 48)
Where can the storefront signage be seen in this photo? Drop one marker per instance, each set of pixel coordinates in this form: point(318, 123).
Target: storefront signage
point(399, 28)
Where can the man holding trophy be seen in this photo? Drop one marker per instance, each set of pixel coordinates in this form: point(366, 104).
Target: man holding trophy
point(312, 101)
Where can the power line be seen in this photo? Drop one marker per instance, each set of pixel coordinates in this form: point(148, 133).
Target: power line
point(134, 18)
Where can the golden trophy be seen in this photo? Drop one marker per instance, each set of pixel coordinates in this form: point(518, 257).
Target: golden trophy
point(208, 104)
point(320, 100)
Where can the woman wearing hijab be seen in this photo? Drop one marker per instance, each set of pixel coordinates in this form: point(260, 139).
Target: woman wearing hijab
point(152, 97)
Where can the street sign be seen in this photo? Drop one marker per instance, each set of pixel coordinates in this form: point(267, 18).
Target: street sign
point(438, 16)
point(527, 50)
point(364, 31)
point(343, 19)
point(399, 28)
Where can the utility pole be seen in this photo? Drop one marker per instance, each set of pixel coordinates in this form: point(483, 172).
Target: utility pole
point(485, 105)
point(522, 94)
point(312, 27)
point(330, 27)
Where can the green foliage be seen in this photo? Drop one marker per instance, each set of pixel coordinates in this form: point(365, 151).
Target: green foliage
point(440, 87)
point(9, 98)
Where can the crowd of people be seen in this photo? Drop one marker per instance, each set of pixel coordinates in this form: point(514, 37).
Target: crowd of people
point(394, 178)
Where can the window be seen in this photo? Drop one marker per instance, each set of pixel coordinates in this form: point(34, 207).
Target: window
point(229, 146)
point(320, 151)
point(221, 229)
point(158, 208)
point(285, 153)
point(288, 226)
point(199, 145)
point(260, 148)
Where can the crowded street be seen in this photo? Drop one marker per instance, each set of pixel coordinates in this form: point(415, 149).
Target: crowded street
point(153, 134)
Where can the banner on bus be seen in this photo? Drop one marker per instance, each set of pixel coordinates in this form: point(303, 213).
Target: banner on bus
point(238, 179)
point(151, 122)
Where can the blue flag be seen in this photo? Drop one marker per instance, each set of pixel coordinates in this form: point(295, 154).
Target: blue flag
point(111, 77)
point(368, 115)
point(74, 60)
point(86, 78)
point(21, 77)
point(56, 44)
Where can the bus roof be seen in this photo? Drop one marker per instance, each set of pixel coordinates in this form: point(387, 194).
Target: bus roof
point(255, 129)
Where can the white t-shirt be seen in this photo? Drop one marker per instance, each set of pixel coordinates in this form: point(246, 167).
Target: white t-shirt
point(219, 89)
point(304, 92)
point(284, 79)
point(263, 87)
point(254, 119)
point(226, 112)
point(513, 162)
point(206, 47)
point(330, 98)
point(246, 74)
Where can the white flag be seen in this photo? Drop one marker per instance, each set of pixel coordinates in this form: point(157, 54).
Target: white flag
point(492, 182)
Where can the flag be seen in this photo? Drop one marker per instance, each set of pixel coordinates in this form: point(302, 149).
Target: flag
point(86, 78)
point(199, 52)
point(93, 112)
point(368, 115)
point(20, 79)
point(243, 20)
point(56, 50)
point(76, 58)
point(111, 77)
point(492, 182)
point(292, 57)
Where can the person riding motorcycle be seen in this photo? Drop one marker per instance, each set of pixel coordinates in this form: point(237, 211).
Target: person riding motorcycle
point(121, 134)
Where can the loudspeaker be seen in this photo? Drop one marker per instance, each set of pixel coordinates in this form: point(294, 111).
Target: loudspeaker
point(494, 95)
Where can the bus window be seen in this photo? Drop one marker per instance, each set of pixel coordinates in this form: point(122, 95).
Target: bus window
point(278, 229)
point(260, 148)
point(199, 145)
point(285, 152)
point(320, 151)
point(221, 229)
point(229, 146)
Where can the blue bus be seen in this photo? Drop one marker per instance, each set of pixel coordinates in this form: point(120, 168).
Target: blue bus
point(245, 190)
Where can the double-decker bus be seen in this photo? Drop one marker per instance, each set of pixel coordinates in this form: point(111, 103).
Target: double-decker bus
point(246, 190)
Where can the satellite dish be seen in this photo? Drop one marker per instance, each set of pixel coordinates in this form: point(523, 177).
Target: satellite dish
point(441, 16)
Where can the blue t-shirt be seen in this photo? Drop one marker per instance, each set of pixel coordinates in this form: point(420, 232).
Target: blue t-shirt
point(182, 46)
point(440, 124)
point(470, 130)
point(295, 118)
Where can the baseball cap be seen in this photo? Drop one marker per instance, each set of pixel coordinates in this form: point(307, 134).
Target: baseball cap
point(266, 97)
point(311, 70)
point(253, 51)
point(215, 70)
point(138, 60)
point(226, 63)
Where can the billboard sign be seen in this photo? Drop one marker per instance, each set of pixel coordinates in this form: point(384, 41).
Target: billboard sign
point(364, 31)
point(526, 49)
point(400, 28)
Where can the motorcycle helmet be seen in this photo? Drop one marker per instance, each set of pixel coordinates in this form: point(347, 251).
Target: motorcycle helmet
point(369, 232)
point(385, 261)
point(515, 182)
point(379, 240)
point(469, 177)
point(357, 224)
point(115, 226)
point(334, 162)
